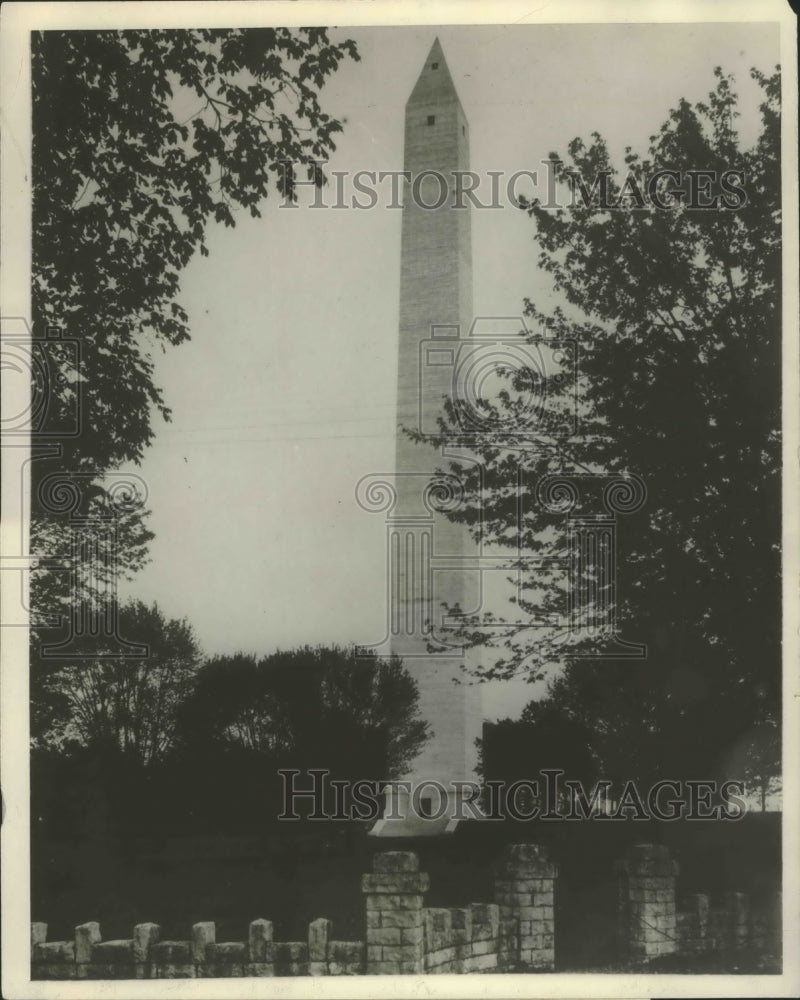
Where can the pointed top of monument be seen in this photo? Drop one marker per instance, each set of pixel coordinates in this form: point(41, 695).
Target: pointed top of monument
point(434, 83)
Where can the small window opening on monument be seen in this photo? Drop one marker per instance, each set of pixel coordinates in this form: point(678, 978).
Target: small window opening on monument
point(463, 129)
point(426, 806)
point(431, 119)
point(434, 65)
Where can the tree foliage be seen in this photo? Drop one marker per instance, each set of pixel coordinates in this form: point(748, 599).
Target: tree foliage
point(676, 316)
point(309, 708)
point(544, 737)
point(125, 705)
point(140, 139)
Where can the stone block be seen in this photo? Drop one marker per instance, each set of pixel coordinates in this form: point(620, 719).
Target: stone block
point(172, 952)
point(345, 955)
point(55, 970)
point(291, 958)
point(291, 951)
point(145, 936)
point(318, 933)
point(400, 918)
point(206, 970)
point(395, 861)
point(259, 970)
point(174, 970)
point(485, 919)
point(525, 853)
point(38, 934)
point(108, 952)
point(86, 937)
point(231, 951)
point(391, 901)
point(349, 969)
point(259, 941)
point(384, 936)
point(396, 883)
point(382, 968)
point(204, 936)
point(411, 935)
point(437, 919)
point(482, 947)
point(103, 970)
point(399, 953)
point(54, 951)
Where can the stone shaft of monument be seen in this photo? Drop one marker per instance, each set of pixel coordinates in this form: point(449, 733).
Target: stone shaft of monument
point(435, 292)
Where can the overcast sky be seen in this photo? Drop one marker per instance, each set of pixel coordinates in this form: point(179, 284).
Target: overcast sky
point(284, 398)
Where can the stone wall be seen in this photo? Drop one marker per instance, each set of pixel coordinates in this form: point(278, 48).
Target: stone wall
point(146, 956)
point(402, 935)
point(646, 918)
point(525, 892)
point(734, 924)
point(651, 924)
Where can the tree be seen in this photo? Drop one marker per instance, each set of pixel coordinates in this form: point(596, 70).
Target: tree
point(128, 705)
point(675, 312)
point(544, 737)
point(142, 139)
point(309, 708)
point(757, 759)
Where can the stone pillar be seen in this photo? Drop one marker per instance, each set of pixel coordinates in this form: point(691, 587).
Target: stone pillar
point(647, 923)
point(86, 936)
point(525, 891)
point(394, 931)
point(145, 937)
point(694, 922)
point(260, 949)
point(737, 924)
point(204, 939)
point(318, 933)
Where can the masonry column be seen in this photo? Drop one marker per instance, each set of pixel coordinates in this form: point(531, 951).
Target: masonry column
point(394, 931)
point(525, 890)
point(646, 902)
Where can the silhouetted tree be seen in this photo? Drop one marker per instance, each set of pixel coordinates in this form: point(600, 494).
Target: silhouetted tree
point(544, 738)
point(141, 139)
point(309, 708)
point(675, 312)
point(125, 705)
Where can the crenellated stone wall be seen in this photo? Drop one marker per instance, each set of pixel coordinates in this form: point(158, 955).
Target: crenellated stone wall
point(651, 924)
point(146, 956)
point(403, 936)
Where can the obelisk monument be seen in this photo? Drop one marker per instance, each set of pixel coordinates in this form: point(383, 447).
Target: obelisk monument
point(435, 303)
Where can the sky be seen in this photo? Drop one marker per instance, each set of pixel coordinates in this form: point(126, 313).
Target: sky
point(284, 398)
